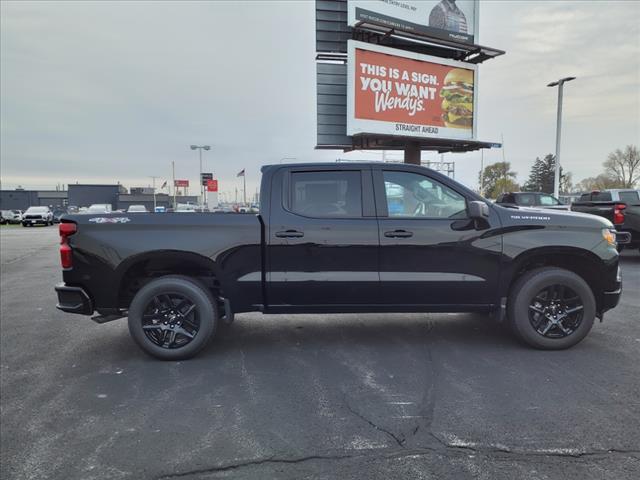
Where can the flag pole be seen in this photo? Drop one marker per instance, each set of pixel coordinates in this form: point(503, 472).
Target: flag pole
point(244, 190)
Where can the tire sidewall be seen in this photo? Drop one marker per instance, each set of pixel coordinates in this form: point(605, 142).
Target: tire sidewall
point(533, 283)
point(205, 309)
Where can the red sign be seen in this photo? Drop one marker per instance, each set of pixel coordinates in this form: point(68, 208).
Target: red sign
point(181, 183)
point(212, 185)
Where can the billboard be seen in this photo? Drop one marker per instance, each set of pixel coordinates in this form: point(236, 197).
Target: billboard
point(204, 177)
point(181, 183)
point(455, 20)
point(394, 92)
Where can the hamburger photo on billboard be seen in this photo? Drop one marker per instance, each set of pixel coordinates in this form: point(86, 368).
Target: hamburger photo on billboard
point(457, 98)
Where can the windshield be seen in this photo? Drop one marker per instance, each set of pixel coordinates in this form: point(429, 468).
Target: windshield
point(37, 210)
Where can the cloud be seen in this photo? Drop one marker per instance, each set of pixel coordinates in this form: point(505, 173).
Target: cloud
point(119, 90)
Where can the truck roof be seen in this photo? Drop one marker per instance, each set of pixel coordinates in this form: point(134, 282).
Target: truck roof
point(343, 165)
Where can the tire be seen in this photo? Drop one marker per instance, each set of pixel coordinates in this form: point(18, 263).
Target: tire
point(174, 287)
point(527, 302)
point(25, 225)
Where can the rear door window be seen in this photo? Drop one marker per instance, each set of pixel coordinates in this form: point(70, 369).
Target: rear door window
point(326, 194)
point(526, 199)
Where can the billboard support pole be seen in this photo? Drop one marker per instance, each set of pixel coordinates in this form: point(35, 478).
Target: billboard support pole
point(412, 153)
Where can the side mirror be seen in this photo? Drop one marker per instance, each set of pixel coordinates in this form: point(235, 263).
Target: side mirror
point(478, 210)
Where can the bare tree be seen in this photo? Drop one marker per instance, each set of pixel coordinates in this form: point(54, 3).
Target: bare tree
point(624, 166)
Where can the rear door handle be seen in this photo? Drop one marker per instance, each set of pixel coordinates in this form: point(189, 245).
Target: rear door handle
point(289, 234)
point(398, 234)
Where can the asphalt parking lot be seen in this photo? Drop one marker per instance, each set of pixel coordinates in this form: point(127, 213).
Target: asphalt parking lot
point(321, 396)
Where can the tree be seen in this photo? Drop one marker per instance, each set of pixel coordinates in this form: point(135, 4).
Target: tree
point(601, 182)
point(624, 166)
point(542, 175)
point(498, 178)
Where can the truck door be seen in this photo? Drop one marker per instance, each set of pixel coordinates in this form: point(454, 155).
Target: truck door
point(430, 252)
point(322, 239)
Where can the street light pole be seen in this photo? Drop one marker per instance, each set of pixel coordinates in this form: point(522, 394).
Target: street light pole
point(556, 177)
point(200, 148)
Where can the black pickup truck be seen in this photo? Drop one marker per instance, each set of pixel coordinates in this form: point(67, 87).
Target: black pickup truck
point(341, 237)
point(620, 206)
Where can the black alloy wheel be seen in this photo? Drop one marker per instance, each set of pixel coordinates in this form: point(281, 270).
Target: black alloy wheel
point(170, 320)
point(556, 311)
point(551, 308)
point(173, 317)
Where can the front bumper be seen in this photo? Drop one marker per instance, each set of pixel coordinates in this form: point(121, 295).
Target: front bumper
point(35, 221)
point(611, 298)
point(73, 300)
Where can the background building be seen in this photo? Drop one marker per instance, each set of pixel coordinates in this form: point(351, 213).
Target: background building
point(83, 195)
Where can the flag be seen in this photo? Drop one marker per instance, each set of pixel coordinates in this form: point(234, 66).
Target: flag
point(240, 173)
point(164, 185)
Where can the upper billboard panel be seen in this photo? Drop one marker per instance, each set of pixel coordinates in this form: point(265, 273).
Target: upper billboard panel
point(394, 92)
point(454, 20)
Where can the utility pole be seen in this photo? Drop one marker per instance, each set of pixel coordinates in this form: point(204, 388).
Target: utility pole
point(173, 174)
point(482, 172)
point(154, 191)
point(556, 177)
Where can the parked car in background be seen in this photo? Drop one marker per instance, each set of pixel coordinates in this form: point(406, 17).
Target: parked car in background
point(620, 206)
point(137, 209)
point(338, 237)
point(37, 216)
point(185, 208)
point(99, 208)
point(160, 209)
point(10, 216)
point(531, 199)
point(57, 213)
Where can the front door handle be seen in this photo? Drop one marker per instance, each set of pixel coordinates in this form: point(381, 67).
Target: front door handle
point(289, 234)
point(398, 234)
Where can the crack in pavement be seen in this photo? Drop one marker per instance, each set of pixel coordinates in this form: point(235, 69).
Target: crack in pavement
point(399, 440)
point(394, 454)
point(249, 463)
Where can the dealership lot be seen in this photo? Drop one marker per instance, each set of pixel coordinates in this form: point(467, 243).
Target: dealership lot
point(318, 396)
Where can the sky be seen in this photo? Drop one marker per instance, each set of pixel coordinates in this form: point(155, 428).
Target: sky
point(111, 92)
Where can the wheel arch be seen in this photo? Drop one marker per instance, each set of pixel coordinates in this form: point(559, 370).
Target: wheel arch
point(580, 261)
point(137, 271)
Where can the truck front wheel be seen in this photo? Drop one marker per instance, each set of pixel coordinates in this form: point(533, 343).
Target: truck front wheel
point(551, 308)
point(173, 317)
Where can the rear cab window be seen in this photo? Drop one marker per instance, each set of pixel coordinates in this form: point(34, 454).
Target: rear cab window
point(630, 198)
point(601, 197)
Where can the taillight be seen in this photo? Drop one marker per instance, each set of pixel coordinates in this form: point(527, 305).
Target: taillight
point(618, 213)
point(66, 230)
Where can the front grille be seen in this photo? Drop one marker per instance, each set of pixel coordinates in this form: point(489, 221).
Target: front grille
point(33, 217)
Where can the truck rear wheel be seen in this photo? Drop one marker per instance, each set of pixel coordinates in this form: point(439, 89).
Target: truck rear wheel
point(551, 308)
point(173, 317)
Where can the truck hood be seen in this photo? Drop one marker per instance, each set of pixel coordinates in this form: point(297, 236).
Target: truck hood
point(540, 216)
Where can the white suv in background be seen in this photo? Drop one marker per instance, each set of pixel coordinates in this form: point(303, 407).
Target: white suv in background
point(37, 216)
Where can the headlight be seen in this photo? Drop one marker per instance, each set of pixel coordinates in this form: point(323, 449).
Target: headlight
point(609, 236)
